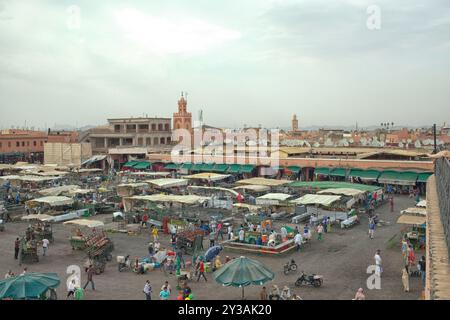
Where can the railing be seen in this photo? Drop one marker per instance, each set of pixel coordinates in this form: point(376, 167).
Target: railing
point(442, 172)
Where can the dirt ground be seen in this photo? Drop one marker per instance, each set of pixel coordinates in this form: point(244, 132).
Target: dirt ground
point(342, 258)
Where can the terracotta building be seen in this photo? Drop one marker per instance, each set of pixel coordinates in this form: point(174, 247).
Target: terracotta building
point(182, 119)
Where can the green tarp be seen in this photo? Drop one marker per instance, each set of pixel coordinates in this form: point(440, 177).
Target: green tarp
point(172, 166)
point(207, 167)
point(397, 177)
point(234, 168)
point(332, 185)
point(322, 171)
point(423, 177)
point(197, 167)
point(220, 168)
point(142, 165)
point(365, 174)
point(247, 168)
point(186, 166)
point(338, 172)
point(295, 169)
point(130, 164)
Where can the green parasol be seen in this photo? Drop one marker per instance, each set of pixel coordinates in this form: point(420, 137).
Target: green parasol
point(242, 272)
point(28, 286)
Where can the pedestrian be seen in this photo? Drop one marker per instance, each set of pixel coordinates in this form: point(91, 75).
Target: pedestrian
point(148, 290)
point(71, 289)
point(212, 238)
point(241, 235)
point(423, 269)
point(378, 263)
point(45, 244)
point(360, 295)
point(320, 232)
point(411, 256)
point(150, 249)
point(298, 240)
point(90, 273)
point(391, 203)
point(10, 274)
point(220, 231)
point(16, 248)
point(201, 271)
point(167, 286)
point(405, 278)
point(230, 231)
point(25, 270)
point(405, 249)
point(155, 234)
point(324, 224)
point(157, 246)
point(180, 256)
point(263, 294)
point(306, 232)
point(371, 228)
point(328, 225)
point(144, 221)
point(164, 294)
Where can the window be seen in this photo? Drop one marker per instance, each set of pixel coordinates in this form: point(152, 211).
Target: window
point(28, 143)
point(148, 141)
point(155, 141)
point(140, 141)
point(17, 144)
point(167, 127)
point(23, 143)
point(0, 144)
point(153, 127)
point(162, 141)
point(160, 127)
point(168, 140)
point(117, 128)
point(42, 143)
point(9, 144)
point(34, 143)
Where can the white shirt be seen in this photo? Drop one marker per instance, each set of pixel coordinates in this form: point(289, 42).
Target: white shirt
point(45, 243)
point(298, 238)
point(241, 235)
point(377, 260)
point(71, 286)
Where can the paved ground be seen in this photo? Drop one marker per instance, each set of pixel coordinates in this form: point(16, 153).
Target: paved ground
point(342, 258)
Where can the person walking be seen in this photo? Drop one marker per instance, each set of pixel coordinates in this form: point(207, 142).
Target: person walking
point(320, 232)
point(371, 228)
point(90, 273)
point(71, 289)
point(201, 271)
point(298, 241)
point(45, 244)
point(241, 235)
point(263, 294)
point(148, 290)
point(423, 269)
point(328, 225)
point(164, 294)
point(324, 224)
point(10, 274)
point(405, 247)
point(405, 278)
point(16, 248)
point(212, 238)
point(411, 256)
point(391, 203)
point(155, 234)
point(378, 263)
point(306, 232)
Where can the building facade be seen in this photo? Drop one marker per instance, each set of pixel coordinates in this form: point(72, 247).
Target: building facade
point(152, 133)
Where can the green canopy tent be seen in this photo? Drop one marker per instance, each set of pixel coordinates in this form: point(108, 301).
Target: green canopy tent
point(143, 165)
point(28, 286)
point(242, 272)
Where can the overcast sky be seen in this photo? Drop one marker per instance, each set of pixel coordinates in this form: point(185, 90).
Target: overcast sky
point(241, 61)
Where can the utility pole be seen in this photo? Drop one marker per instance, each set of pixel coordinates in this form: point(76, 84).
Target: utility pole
point(434, 137)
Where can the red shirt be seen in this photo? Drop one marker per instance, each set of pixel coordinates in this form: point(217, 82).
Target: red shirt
point(145, 218)
point(202, 267)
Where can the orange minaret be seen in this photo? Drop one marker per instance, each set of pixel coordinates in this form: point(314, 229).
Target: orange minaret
point(182, 119)
point(294, 123)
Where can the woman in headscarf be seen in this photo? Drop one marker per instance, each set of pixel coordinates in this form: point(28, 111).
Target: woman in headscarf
point(405, 278)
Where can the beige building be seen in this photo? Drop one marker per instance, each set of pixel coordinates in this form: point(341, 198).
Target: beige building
point(151, 133)
point(66, 154)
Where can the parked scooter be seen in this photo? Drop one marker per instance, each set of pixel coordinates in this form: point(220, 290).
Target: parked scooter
point(314, 280)
point(290, 266)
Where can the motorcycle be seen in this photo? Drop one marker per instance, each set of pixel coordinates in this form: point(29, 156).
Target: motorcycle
point(124, 263)
point(290, 266)
point(315, 280)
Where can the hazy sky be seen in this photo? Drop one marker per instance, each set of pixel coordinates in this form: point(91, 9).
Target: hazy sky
point(241, 61)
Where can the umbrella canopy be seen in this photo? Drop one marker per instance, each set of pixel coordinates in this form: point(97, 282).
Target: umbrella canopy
point(242, 272)
point(30, 285)
point(212, 252)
